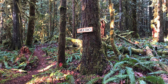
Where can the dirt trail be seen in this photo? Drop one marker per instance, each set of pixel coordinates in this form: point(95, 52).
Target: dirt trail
point(42, 64)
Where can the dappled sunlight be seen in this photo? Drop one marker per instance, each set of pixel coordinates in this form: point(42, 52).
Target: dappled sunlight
point(166, 39)
point(37, 80)
point(77, 41)
point(52, 78)
point(47, 68)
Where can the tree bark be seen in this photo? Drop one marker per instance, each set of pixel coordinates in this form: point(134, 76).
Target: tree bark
point(120, 9)
point(134, 23)
point(160, 11)
point(16, 41)
point(126, 14)
point(73, 19)
point(31, 23)
point(112, 18)
point(62, 34)
point(166, 33)
point(92, 61)
point(150, 16)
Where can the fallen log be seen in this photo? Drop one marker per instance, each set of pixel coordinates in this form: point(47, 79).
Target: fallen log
point(150, 54)
point(78, 42)
point(128, 41)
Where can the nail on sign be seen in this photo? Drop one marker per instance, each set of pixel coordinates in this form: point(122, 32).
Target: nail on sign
point(86, 29)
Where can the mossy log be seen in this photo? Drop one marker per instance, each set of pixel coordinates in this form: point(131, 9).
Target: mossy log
point(78, 42)
point(128, 41)
point(150, 54)
point(127, 50)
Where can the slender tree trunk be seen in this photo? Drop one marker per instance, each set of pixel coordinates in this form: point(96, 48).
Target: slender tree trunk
point(16, 41)
point(166, 19)
point(31, 23)
point(134, 23)
point(73, 19)
point(120, 9)
point(112, 18)
point(150, 16)
point(50, 19)
point(160, 11)
point(92, 57)
point(126, 14)
point(62, 34)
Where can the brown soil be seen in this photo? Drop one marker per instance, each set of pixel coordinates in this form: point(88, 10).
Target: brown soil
point(42, 64)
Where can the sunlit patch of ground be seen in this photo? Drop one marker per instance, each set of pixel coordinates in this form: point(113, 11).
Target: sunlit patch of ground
point(6, 75)
point(47, 68)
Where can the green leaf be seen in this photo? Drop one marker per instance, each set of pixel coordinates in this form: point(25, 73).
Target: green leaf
point(131, 75)
point(142, 82)
point(154, 80)
point(158, 72)
point(117, 77)
point(70, 79)
point(93, 80)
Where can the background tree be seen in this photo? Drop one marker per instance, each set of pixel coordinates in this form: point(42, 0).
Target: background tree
point(73, 19)
point(62, 34)
point(92, 57)
point(31, 23)
point(16, 41)
point(134, 23)
point(112, 18)
point(160, 11)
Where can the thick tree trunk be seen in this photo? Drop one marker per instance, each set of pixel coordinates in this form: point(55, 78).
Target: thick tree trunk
point(16, 41)
point(134, 23)
point(112, 18)
point(73, 19)
point(161, 33)
point(31, 23)
point(62, 34)
point(92, 57)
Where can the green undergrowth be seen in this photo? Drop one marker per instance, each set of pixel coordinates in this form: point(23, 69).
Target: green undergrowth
point(7, 74)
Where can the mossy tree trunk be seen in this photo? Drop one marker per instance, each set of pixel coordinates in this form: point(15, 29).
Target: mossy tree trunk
point(16, 41)
point(31, 23)
point(92, 57)
point(112, 18)
point(62, 34)
point(134, 23)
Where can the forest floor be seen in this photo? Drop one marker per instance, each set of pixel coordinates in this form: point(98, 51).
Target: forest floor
point(46, 72)
point(41, 65)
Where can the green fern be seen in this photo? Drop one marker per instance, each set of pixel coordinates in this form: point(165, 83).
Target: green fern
point(131, 75)
point(94, 80)
point(142, 82)
point(154, 80)
point(115, 78)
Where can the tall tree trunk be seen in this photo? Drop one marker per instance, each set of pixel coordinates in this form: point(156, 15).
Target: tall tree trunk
point(62, 34)
point(126, 14)
point(112, 18)
point(31, 23)
point(73, 19)
point(150, 16)
point(161, 28)
point(166, 19)
point(120, 9)
point(50, 19)
point(16, 41)
point(92, 57)
point(134, 23)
